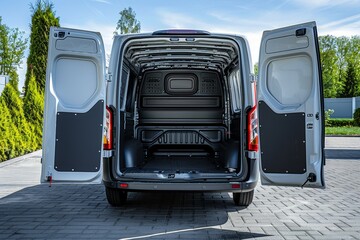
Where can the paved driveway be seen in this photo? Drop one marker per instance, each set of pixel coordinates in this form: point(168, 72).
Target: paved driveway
point(29, 210)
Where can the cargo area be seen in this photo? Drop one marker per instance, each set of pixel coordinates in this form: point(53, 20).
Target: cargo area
point(181, 108)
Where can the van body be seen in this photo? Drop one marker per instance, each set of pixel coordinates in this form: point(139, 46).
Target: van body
point(181, 110)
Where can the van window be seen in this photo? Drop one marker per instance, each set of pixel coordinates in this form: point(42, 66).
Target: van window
point(290, 79)
point(234, 80)
point(75, 87)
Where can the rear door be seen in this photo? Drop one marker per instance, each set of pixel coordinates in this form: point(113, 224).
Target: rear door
point(74, 107)
point(290, 104)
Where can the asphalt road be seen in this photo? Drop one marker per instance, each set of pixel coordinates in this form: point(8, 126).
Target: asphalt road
point(29, 210)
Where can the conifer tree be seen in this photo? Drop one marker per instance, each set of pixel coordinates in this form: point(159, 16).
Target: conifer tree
point(34, 106)
point(24, 142)
point(7, 132)
point(43, 17)
point(351, 82)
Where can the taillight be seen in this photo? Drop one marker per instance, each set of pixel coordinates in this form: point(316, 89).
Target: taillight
point(108, 128)
point(252, 130)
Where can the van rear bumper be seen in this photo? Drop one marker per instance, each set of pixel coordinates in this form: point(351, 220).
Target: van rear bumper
point(183, 186)
point(153, 185)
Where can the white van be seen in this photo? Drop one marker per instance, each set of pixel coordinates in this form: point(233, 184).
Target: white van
point(177, 110)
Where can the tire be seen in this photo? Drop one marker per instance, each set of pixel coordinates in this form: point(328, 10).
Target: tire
point(243, 199)
point(115, 197)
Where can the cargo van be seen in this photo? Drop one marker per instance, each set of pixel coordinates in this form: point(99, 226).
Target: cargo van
point(181, 110)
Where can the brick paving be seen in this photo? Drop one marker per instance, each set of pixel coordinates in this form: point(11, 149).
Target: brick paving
point(33, 211)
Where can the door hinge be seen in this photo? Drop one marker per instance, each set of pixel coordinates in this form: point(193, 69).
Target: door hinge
point(108, 77)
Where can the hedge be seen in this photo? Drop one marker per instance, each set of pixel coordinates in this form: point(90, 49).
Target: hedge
point(340, 123)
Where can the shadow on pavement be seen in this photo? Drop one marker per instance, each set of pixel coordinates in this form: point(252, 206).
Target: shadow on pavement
point(81, 211)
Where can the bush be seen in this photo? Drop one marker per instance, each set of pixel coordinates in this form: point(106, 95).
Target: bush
point(340, 123)
point(9, 136)
point(24, 141)
point(357, 117)
point(16, 134)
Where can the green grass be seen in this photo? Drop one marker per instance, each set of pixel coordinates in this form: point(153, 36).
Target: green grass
point(346, 131)
point(341, 118)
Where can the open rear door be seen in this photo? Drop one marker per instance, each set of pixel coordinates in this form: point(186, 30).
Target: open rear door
point(290, 103)
point(74, 107)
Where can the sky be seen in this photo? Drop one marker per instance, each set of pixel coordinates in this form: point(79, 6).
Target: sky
point(248, 18)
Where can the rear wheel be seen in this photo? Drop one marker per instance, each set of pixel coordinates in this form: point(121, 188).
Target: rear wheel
point(243, 199)
point(115, 197)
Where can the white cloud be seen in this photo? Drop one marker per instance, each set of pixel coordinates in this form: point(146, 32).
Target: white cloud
point(325, 3)
point(344, 21)
point(348, 26)
point(239, 22)
point(345, 30)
